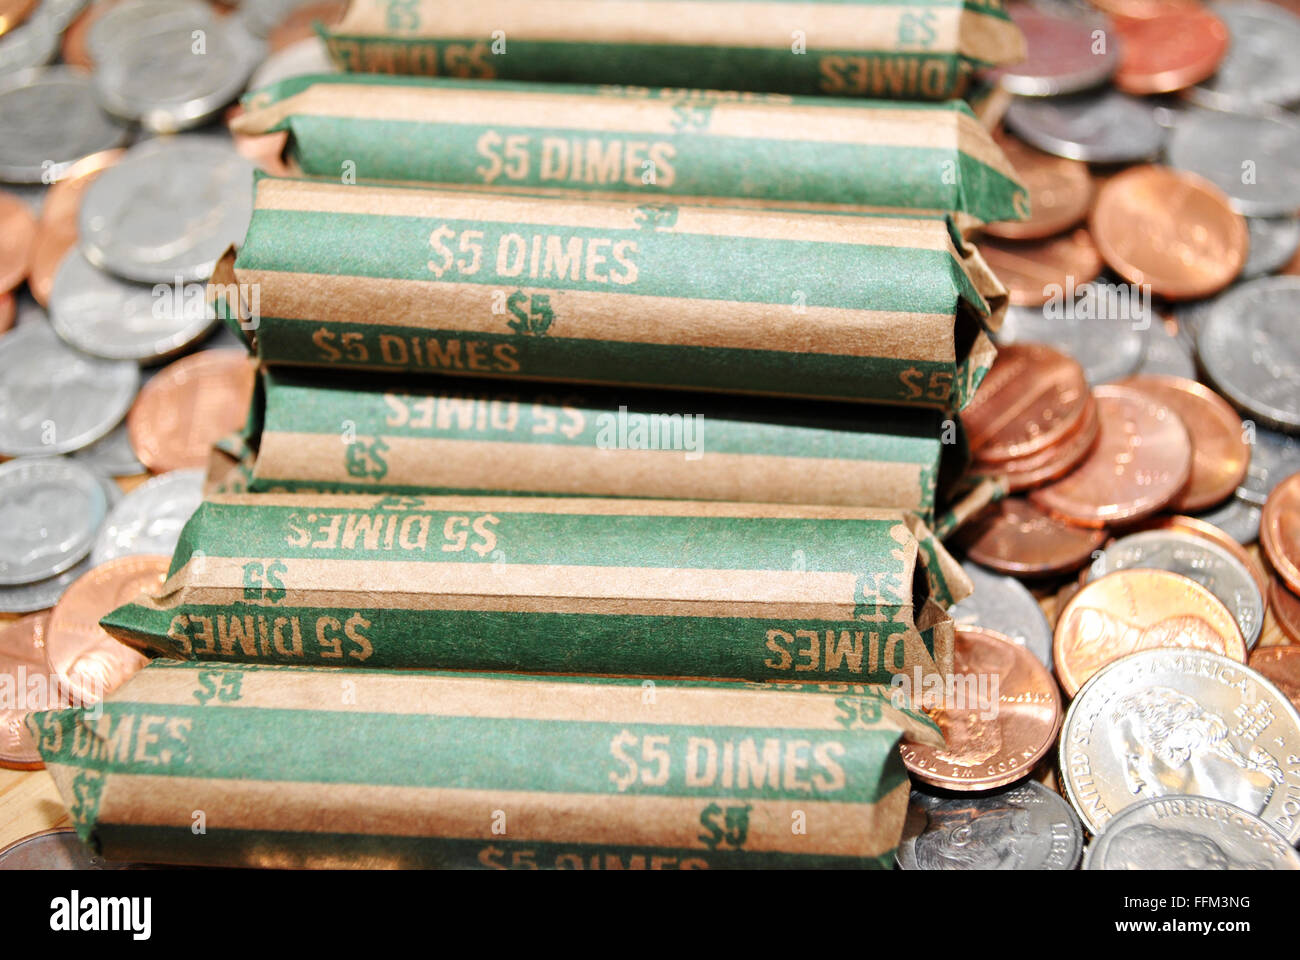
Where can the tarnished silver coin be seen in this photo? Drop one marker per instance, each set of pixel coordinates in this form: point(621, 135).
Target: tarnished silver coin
point(1236, 517)
point(169, 209)
point(50, 510)
point(1110, 342)
point(59, 849)
point(1168, 354)
point(48, 119)
point(101, 314)
point(1250, 347)
point(1254, 160)
point(149, 518)
point(1195, 558)
point(1273, 241)
point(33, 43)
point(54, 399)
point(169, 75)
point(300, 59)
point(29, 597)
point(1189, 833)
point(1002, 604)
point(112, 454)
point(1023, 827)
point(1169, 721)
point(1103, 127)
point(1260, 68)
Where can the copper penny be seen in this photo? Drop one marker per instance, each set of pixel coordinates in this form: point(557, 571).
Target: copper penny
point(1143, 9)
point(1025, 473)
point(1209, 531)
point(17, 231)
point(1015, 537)
point(1132, 610)
point(1142, 460)
point(8, 311)
point(1171, 230)
point(264, 149)
point(1035, 270)
point(56, 232)
point(1279, 530)
point(14, 12)
point(25, 687)
point(1032, 397)
point(77, 649)
point(301, 22)
point(1281, 667)
point(1175, 49)
point(188, 406)
point(1060, 191)
point(1285, 607)
point(1220, 454)
point(1010, 726)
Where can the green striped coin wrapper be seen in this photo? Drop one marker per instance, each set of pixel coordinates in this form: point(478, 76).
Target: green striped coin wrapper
point(339, 433)
point(571, 585)
point(906, 49)
point(296, 767)
point(808, 153)
point(684, 297)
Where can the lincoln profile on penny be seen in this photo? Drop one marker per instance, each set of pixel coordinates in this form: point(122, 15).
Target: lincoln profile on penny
point(1168, 744)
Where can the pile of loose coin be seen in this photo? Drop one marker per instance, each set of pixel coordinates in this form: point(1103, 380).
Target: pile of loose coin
point(120, 186)
point(1140, 416)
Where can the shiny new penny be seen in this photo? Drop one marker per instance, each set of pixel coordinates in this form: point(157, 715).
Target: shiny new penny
point(77, 649)
point(301, 22)
point(1015, 537)
point(1170, 229)
point(1032, 397)
point(1279, 530)
point(23, 674)
point(1141, 461)
point(1060, 191)
point(1036, 270)
point(999, 739)
point(1025, 473)
point(56, 233)
point(1209, 531)
point(1280, 666)
point(1285, 607)
point(8, 311)
point(1170, 51)
point(188, 406)
point(1132, 610)
point(1220, 454)
point(17, 231)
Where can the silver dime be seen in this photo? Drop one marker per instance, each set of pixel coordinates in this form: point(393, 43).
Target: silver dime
point(1197, 559)
point(1023, 827)
point(55, 850)
point(299, 59)
point(42, 595)
point(157, 76)
point(1002, 604)
point(50, 509)
point(49, 118)
point(1273, 241)
point(1104, 127)
point(1189, 833)
point(169, 209)
point(150, 518)
point(1169, 721)
point(1237, 518)
point(1109, 343)
point(111, 454)
point(1168, 354)
point(1273, 457)
point(1260, 67)
point(101, 314)
point(54, 399)
point(1250, 347)
point(129, 19)
point(1254, 160)
point(33, 43)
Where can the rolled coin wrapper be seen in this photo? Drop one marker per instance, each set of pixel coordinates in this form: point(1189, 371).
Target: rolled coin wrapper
point(811, 154)
point(464, 770)
point(907, 50)
point(343, 433)
point(685, 297)
point(573, 585)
